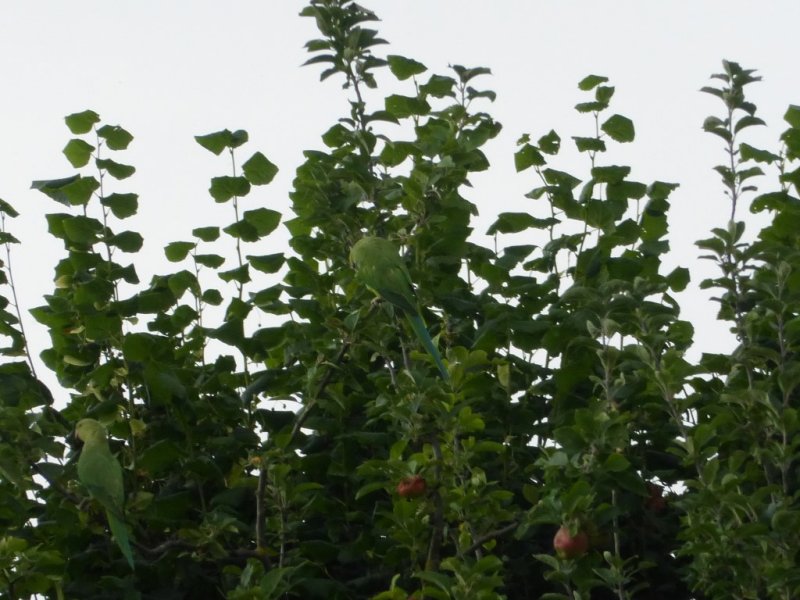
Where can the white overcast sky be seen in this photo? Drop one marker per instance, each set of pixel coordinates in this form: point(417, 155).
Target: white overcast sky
point(167, 71)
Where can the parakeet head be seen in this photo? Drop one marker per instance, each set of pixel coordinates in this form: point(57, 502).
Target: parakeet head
point(89, 429)
point(371, 248)
point(358, 250)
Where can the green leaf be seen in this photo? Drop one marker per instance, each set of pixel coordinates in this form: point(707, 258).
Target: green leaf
point(528, 156)
point(231, 332)
point(160, 457)
point(748, 152)
point(6, 238)
point(181, 281)
point(610, 174)
point(465, 74)
point(678, 279)
point(619, 128)
point(514, 222)
point(177, 251)
point(406, 106)
point(81, 230)
point(78, 152)
point(403, 68)
point(212, 296)
point(394, 153)
point(438, 86)
point(71, 191)
point(585, 144)
point(206, 234)
point(587, 107)
point(713, 91)
point(771, 201)
point(127, 241)
point(242, 230)
point(239, 274)
point(239, 137)
point(473, 93)
point(217, 142)
point(792, 116)
point(121, 205)
point(259, 170)
point(604, 93)
point(7, 209)
point(380, 115)
point(264, 220)
point(616, 463)
point(212, 261)
point(718, 127)
point(116, 137)
point(550, 143)
point(591, 81)
point(82, 122)
point(115, 169)
point(368, 488)
point(747, 121)
point(224, 188)
point(268, 263)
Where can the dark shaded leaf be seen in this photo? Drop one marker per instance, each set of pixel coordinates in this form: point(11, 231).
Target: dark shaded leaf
point(115, 169)
point(239, 274)
point(619, 128)
point(82, 122)
point(403, 67)
point(213, 261)
point(206, 234)
point(226, 187)
point(589, 144)
point(7, 209)
point(121, 205)
point(528, 156)
point(264, 220)
point(177, 251)
point(217, 142)
point(259, 170)
point(591, 81)
point(406, 106)
point(116, 137)
point(268, 263)
point(78, 152)
point(127, 241)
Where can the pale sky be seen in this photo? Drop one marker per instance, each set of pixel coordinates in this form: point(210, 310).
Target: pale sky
point(167, 71)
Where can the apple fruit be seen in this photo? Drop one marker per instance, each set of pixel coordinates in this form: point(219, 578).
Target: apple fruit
point(412, 487)
point(655, 501)
point(567, 545)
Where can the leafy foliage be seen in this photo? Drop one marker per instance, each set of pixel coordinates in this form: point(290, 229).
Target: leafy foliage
point(267, 411)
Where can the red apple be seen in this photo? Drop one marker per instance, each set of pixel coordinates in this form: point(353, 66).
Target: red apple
point(568, 546)
point(655, 501)
point(412, 487)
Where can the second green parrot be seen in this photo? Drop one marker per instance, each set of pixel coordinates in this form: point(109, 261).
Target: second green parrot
point(100, 472)
point(381, 269)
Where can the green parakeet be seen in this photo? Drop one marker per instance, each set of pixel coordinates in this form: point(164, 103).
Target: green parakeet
point(381, 269)
point(100, 472)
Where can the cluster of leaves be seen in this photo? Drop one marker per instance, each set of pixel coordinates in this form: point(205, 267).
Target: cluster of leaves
point(742, 513)
point(264, 461)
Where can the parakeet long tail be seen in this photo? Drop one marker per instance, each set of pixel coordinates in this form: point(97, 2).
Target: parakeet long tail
point(120, 533)
point(418, 325)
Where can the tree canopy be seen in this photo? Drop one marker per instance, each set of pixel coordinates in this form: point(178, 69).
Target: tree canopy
point(283, 433)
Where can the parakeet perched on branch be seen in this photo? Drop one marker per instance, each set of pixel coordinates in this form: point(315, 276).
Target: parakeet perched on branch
point(100, 472)
point(381, 269)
